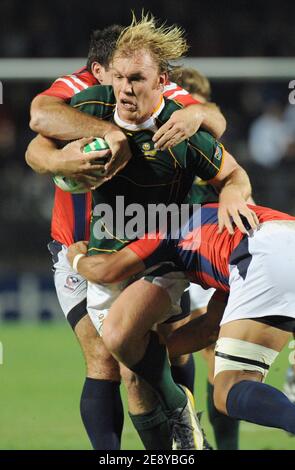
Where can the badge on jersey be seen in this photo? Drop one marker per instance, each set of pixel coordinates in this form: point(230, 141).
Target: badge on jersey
point(218, 152)
point(147, 151)
point(72, 282)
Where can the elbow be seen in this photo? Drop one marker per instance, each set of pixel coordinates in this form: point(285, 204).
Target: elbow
point(221, 128)
point(37, 122)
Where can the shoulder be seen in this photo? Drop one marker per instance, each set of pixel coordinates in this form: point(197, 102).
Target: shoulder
point(98, 95)
point(168, 109)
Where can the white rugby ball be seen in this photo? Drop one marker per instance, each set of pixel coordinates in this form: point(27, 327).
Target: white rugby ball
point(70, 185)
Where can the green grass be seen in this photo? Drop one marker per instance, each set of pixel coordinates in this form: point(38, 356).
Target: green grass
point(40, 384)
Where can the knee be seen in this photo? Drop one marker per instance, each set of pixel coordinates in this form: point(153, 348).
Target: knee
point(113, 339)
point(219, 398)
point(131, 380)
point(100, 364)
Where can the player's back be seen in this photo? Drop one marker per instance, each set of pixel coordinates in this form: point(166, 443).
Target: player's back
point(206, 254)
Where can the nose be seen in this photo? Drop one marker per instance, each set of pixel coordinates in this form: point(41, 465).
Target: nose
point(127, 87)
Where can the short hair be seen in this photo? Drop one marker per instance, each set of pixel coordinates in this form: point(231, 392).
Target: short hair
point(165, 43)
point(102, 45)
point(192, 81)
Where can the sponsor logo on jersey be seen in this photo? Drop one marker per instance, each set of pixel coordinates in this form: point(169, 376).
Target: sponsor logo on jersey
point(72, 282)
point(148, 151)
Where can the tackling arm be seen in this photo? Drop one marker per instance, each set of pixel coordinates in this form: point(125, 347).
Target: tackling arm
point(105, 269)
point(185, 122)
point(234, 185)
point(53, 117)
point(198, 333)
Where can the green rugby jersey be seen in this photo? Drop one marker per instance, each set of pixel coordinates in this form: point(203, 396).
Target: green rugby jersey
point(202, 192)
point(151, 176)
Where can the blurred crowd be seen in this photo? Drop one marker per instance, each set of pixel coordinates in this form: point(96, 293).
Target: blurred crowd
point(223, 28)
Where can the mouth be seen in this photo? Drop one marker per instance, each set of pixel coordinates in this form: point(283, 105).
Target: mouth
point(128, 104)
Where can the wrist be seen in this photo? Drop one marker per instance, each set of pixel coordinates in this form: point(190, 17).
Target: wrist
point(76, 260)
point(114, 132)
point(200, 113)
point(53, 163)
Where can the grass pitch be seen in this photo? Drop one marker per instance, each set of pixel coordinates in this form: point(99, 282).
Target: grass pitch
point(40, 384)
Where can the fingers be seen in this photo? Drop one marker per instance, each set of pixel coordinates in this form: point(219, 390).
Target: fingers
point(172, 137)
point(224, 221)
point(161, 132)
point(117, 163)
point(226, 218)
point(85, 140)
point(96, 155)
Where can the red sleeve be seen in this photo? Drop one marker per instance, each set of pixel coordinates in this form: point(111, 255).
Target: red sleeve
point(172, 91)
point(65, 87)
point(145, 247)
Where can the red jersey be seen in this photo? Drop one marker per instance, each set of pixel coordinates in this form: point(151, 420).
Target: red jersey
point(71, 212)
point(199, 250)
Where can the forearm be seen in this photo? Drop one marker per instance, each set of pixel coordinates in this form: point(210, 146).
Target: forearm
point(95, 269)
point(194, 336)
point(213, 120)
point(56, 119)
point(41, 155)
point(111, 268)
point(239, 181)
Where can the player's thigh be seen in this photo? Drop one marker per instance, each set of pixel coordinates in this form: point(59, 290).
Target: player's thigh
point(136, 310)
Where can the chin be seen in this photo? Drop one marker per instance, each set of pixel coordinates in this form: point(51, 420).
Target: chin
point(129, 116)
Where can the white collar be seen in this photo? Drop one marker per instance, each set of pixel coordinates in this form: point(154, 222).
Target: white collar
point(150, 123)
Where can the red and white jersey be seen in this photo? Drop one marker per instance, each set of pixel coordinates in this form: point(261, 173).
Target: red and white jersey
point(67, 86)
point(181, 96)
point(71, 212)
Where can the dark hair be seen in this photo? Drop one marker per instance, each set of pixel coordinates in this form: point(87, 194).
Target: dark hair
point(102, 45)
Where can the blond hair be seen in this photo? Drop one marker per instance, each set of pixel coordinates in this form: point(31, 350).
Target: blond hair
point(165, 43)
point(192, 81)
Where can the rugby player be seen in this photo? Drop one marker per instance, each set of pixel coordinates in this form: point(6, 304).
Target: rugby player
point(254, 304)
point(53, 117)
point(226, 430)
point(140, 69)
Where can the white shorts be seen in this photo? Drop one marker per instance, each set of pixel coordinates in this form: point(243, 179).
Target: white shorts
point(100, 297)
point(71, 287)
point(199, 297)
point(262, 274)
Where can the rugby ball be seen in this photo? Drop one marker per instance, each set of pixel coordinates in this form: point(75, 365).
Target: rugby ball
point(70, 185)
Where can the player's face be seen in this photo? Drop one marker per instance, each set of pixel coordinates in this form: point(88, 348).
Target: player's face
point(138, 86)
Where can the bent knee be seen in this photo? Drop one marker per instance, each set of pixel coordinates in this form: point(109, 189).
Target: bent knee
point(220, 398)
point(113, 339)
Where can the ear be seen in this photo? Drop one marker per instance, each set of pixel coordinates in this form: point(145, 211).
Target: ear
point(97, 71)
point(163, 78)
